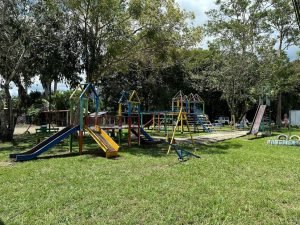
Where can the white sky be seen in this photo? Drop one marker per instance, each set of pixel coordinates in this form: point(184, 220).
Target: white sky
point(199, 7)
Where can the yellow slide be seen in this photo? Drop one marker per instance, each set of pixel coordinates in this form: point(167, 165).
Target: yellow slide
point(105, 142)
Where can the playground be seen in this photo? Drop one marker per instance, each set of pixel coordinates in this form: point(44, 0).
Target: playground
point(174, 166)
point(237, 181)
point(149, 112)
point(186, 119)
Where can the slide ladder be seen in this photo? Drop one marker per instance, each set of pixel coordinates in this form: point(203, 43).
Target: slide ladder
point(105, 142)
point(204, 122)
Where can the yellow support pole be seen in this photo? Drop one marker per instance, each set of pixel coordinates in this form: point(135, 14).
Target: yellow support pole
point(174, 131)
point(120, 110)
point(188, 127)
point(181, 115)
point(181, 122)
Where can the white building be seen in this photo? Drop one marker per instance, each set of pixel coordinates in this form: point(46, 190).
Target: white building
point(295, 117)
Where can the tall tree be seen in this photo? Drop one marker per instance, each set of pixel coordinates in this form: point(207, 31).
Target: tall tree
point(16, 32)
point(282, 22)
point(113, 33)
point(57, 51)
point(239, 35)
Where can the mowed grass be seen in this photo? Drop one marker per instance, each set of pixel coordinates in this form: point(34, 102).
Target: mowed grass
point(239, 181)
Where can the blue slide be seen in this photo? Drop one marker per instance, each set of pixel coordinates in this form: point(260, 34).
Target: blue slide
point(146, 135)
point(45, 145)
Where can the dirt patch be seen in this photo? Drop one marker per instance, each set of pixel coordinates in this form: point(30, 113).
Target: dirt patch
point(213, 137)
point(7, 163)
point(21, 129)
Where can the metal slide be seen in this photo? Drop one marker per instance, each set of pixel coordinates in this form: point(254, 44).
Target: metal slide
point(257, 119)
point(45, 145)
point(105, 142)
point(145, 137)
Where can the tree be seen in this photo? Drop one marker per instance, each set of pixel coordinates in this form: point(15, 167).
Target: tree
point(57, 51)
point(239, 35)
point(282, 22)
point(16, 32)
point(115, 33)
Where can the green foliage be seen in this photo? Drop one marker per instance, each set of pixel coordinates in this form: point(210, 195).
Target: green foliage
point(33, 111)
point(61, 100)
point(239, 37)
point(246, 65)
point(114, 33)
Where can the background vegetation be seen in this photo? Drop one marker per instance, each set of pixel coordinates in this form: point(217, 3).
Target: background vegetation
point(153, 47)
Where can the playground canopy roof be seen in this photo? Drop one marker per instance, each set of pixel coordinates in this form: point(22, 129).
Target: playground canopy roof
point(132, 97)
point(195, 98)
point(179, 97)
point(99, 114)
point(191, 98)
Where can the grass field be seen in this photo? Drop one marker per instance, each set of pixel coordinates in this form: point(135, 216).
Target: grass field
point(239, 181)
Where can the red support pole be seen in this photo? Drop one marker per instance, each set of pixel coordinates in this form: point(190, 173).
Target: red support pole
point(158, 118)
point(139, 130)
point(80, 141)
point(129, 131)
point(153, 120)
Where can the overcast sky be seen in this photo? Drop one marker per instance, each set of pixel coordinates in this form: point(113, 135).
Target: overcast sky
point(199, 7)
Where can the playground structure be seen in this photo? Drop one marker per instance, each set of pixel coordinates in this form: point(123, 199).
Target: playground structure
point(83, 96)
point(262, 119)
point(130, 110)
point(81, 121)
point(191, 105)
point(194, 107)
point(57, 117)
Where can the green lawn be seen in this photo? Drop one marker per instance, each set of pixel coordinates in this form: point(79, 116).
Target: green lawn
point(235, 182)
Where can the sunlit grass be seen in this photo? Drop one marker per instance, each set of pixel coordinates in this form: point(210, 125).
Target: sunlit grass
point(239, 181)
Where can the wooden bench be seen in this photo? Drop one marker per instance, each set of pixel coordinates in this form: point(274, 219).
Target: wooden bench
point(46, 130)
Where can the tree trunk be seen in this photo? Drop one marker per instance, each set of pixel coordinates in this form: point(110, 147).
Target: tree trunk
point(46, 87)
point(55, 86)
point(7, 121)
point(278, 113)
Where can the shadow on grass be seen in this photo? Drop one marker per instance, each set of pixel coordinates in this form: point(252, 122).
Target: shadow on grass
point(1, 222)
point(155, 150)
point(26, 142)
point(160, 150)
point(218, 148)
point(92, 153)
point(22, 142)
